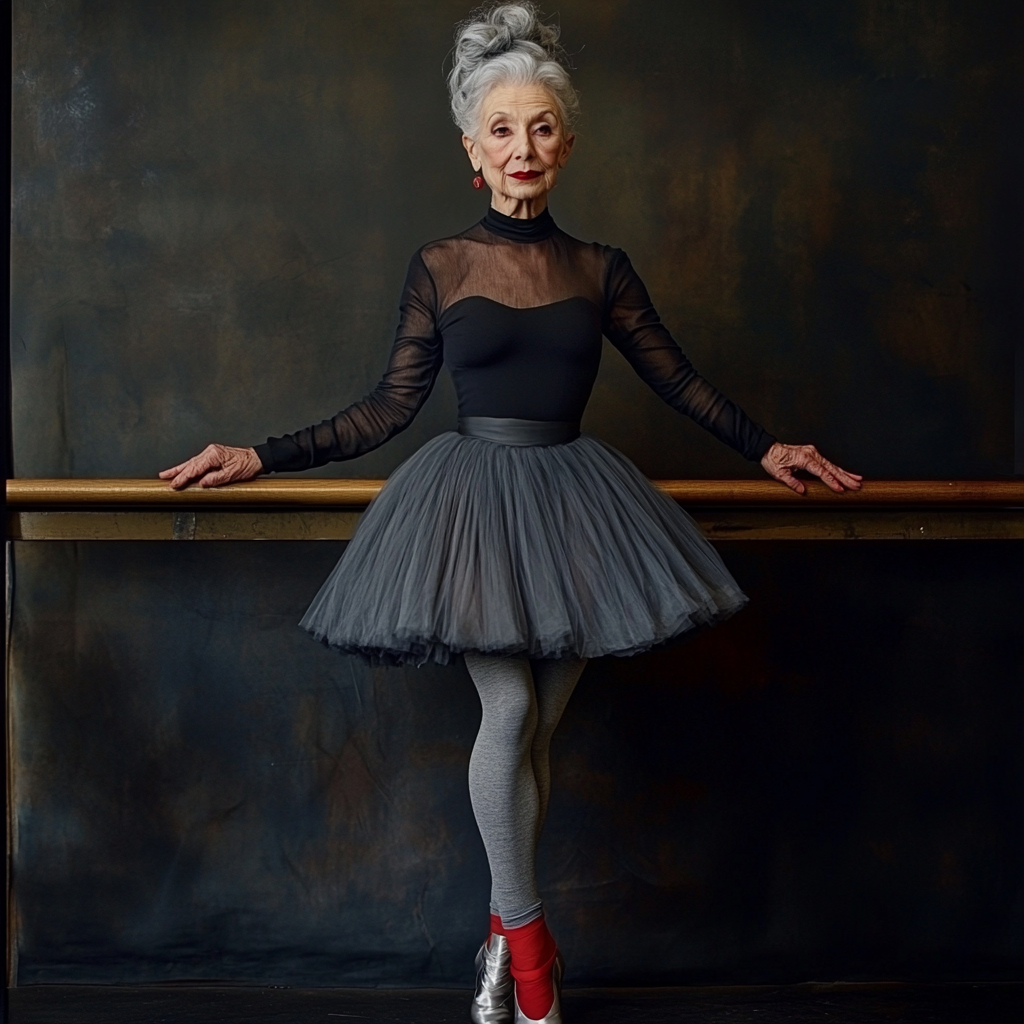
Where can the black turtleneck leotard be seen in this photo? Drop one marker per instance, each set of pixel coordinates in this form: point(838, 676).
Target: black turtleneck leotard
point(516, 309)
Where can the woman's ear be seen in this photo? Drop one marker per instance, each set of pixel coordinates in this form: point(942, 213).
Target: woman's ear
point(470, 146)
point(566, 150)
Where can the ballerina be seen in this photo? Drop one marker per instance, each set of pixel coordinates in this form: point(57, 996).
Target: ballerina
point(517, 543)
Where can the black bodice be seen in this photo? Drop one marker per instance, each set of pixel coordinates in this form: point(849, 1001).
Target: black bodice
point(516, 309)
point(533, 364)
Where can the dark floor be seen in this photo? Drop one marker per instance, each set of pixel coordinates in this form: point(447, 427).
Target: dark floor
point(798, 1004)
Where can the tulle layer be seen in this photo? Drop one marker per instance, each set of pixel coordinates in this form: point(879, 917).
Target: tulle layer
point(548, 552)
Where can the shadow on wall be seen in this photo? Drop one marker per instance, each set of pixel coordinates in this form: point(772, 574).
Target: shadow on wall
point(828, 785)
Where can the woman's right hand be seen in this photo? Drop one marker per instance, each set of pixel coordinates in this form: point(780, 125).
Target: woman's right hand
point(216, 464)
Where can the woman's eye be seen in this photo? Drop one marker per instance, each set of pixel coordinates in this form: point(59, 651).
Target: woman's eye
point(543, 129)
point(502, 130)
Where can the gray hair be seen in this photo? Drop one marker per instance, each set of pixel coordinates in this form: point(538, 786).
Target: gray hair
point(507, 43)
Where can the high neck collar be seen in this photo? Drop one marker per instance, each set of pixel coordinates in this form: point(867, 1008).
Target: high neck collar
point(534, 229)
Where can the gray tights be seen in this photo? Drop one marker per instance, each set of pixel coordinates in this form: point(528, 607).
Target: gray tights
point(509, 772)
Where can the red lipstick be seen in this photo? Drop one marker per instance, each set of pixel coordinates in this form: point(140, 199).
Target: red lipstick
point(525, 175)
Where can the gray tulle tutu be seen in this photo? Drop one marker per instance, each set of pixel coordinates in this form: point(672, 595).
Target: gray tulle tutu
point(547, 551)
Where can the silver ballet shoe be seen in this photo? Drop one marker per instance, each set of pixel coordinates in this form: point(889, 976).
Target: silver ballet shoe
point(554, 1015)
point(492, 1001)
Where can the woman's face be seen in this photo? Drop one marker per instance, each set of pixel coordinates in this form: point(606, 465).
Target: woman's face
point(520, 148)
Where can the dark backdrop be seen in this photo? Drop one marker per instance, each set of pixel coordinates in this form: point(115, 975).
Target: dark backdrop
point(214, 203)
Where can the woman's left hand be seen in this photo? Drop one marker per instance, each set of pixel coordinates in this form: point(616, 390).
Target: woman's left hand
point(781, 459)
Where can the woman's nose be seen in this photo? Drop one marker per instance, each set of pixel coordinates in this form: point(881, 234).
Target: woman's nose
point(524, 146)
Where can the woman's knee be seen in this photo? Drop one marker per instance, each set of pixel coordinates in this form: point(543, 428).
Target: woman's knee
point(513, 715)
point(507, 696)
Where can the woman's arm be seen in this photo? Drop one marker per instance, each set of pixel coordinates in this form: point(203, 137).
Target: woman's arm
point(633, 326)
point(415, 361)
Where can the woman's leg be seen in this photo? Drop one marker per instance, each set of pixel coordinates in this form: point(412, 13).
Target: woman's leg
point(554, 682)
point(509, 785)
point(502, 785)
point(510, 769)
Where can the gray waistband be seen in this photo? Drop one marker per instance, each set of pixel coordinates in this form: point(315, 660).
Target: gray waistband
point(505, 430)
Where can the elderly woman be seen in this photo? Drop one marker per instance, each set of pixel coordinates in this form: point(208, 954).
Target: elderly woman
point(517, 543)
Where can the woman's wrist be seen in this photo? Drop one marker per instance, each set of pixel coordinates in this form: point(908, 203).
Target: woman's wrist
point(264, 457)
point(255, 463)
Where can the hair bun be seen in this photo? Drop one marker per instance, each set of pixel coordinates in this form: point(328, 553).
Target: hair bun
point(522, 23)
point(502, 42)
point(504, 28)
point(510, 36)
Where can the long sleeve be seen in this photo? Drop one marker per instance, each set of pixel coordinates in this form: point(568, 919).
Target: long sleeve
point(415, 361)
point(633, 326)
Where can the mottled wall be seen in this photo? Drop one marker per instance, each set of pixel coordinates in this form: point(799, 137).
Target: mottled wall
point(214, 204)
point(203, 793)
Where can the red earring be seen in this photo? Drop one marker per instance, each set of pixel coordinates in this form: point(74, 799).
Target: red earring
point(478, 182)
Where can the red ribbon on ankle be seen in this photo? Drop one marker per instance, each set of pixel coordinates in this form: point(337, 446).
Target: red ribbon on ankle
point(533, 950)
point(538, 973)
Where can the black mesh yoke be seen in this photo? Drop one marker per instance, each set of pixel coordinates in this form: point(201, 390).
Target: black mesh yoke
point(516, 310)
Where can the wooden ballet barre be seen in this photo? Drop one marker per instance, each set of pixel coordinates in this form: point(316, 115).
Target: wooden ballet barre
point(286, 509)
point(355, 494)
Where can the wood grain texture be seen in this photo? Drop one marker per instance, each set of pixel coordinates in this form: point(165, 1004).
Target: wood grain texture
point(788, 524)
point(146, 524)
point(41, 493)
point(749, 524)
point(155, 493)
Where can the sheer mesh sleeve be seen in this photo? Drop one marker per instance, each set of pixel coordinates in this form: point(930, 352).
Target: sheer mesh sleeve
point(416, 358)
point(633, 326)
